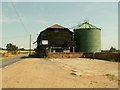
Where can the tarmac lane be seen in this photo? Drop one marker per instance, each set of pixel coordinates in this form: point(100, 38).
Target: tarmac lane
point(9, 61)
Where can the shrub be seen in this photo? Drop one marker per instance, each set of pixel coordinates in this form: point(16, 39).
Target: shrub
point(12, 48)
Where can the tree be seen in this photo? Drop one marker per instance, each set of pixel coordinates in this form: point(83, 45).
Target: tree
point(11, 48)
point(112, 49)
point(21, 49)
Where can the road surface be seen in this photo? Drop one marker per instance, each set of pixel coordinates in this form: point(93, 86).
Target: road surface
point(60, 73)
point(6, 62)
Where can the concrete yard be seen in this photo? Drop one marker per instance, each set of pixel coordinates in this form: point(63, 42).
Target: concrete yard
point(60, 73)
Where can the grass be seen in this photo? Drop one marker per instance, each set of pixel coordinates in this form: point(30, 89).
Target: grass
point(5, 53)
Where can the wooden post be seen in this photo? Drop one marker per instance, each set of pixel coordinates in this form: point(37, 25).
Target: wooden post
point(73, 49)
point(30, 45)
point(50, 50)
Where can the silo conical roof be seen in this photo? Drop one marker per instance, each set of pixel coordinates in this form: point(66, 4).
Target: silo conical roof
point(86, 25)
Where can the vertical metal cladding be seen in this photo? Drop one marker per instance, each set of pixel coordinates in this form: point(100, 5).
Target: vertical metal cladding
point(88, 38)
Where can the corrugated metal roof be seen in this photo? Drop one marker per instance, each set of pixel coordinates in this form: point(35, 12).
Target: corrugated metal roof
point(86, 25)
point(56, 26)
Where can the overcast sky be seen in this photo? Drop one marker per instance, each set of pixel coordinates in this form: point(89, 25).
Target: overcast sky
point(20, 19)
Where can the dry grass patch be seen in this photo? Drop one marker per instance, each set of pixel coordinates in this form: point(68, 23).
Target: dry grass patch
point(111, 77)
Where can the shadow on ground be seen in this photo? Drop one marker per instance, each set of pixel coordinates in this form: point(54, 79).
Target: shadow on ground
point(30, 56)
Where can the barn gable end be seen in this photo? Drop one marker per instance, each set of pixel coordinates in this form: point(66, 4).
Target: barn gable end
point(55, 38)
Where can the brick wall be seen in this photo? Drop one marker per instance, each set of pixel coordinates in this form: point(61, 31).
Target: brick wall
point(108, 56)
point(105, 56)
point(65, 55)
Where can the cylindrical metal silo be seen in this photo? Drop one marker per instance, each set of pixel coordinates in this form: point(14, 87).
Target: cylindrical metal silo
point(88, 38)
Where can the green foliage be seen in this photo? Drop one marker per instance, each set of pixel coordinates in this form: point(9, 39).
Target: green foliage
point(112, 49)
point(21, 49)
point(11, 48)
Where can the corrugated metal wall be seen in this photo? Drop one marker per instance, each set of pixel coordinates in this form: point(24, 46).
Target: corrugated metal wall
point(87, 40)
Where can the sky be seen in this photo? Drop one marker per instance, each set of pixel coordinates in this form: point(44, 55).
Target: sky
point(20, 19)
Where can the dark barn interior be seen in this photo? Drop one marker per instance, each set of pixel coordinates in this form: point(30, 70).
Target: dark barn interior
point(55, 38)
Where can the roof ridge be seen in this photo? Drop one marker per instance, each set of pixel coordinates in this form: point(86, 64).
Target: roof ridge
point(86, 25)
point(56, 26)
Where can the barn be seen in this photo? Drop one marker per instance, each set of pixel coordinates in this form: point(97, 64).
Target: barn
point(55, 38)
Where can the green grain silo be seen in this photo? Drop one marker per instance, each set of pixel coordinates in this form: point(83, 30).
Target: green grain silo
point(88, 38)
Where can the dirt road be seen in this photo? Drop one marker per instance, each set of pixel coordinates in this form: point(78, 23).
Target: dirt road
point(60, 73)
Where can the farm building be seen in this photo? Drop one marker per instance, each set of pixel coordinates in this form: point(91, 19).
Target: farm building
point(87, 37)
point(55, 38)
